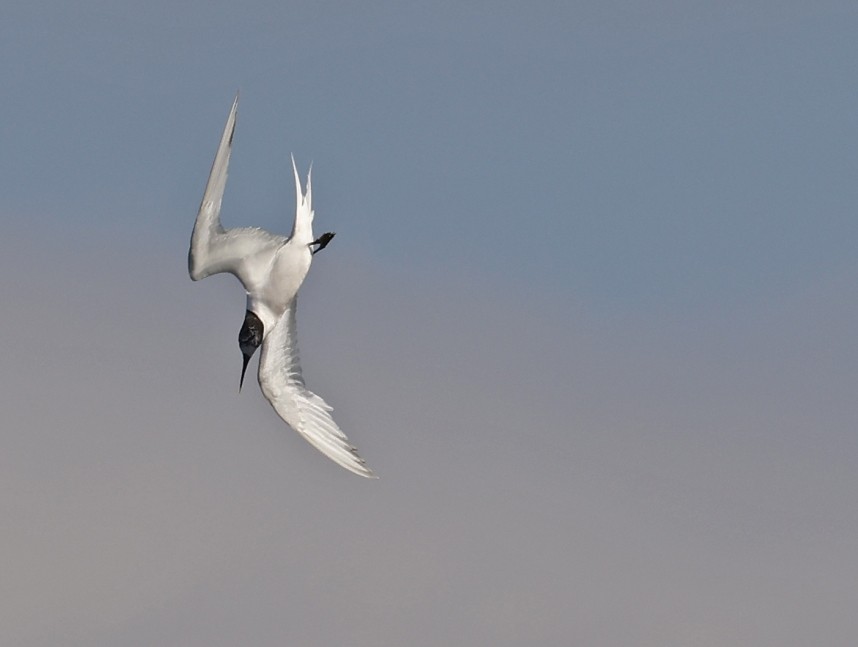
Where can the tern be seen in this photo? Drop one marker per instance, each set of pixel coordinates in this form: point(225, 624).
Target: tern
point(271, 268)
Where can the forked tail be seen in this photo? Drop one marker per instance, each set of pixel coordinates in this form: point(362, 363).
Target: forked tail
point(302, 230)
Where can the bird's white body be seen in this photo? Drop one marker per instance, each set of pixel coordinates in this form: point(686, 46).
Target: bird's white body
point(271, 268)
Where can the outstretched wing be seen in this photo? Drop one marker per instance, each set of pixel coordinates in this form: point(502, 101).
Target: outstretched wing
point(308, 414)
point(243, 252)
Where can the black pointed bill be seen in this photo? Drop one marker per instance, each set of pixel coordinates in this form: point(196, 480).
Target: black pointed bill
point(243, 371)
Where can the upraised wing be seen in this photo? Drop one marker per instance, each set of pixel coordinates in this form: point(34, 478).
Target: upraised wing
point(283, 385)
point(244, 252)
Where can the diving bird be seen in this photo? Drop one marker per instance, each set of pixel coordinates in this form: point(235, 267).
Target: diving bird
point(271, 268)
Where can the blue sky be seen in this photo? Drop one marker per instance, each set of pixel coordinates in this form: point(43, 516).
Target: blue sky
point(590, 314)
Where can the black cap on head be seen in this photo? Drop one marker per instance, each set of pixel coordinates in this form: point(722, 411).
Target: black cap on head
point(249, 339)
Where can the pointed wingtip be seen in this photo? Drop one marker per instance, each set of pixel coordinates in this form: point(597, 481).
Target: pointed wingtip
point(234, 109)
point(231, 121)
point(361, 470)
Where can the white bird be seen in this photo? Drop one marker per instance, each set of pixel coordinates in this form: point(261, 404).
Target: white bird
point(271, 268)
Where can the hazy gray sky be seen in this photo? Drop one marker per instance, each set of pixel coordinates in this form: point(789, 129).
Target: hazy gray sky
point(590, 314)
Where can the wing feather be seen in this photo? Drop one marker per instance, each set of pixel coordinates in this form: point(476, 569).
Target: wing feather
point(283, 386)
point(243, 252)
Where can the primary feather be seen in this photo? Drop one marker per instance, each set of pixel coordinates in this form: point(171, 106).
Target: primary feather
point(283, 385)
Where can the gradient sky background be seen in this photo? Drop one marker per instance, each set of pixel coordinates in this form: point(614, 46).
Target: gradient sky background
point(590, 314)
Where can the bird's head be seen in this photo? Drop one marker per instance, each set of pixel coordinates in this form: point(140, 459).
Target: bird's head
point(249, 339)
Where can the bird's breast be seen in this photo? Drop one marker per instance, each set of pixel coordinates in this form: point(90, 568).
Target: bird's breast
point(289, 269)
point(287, 272)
